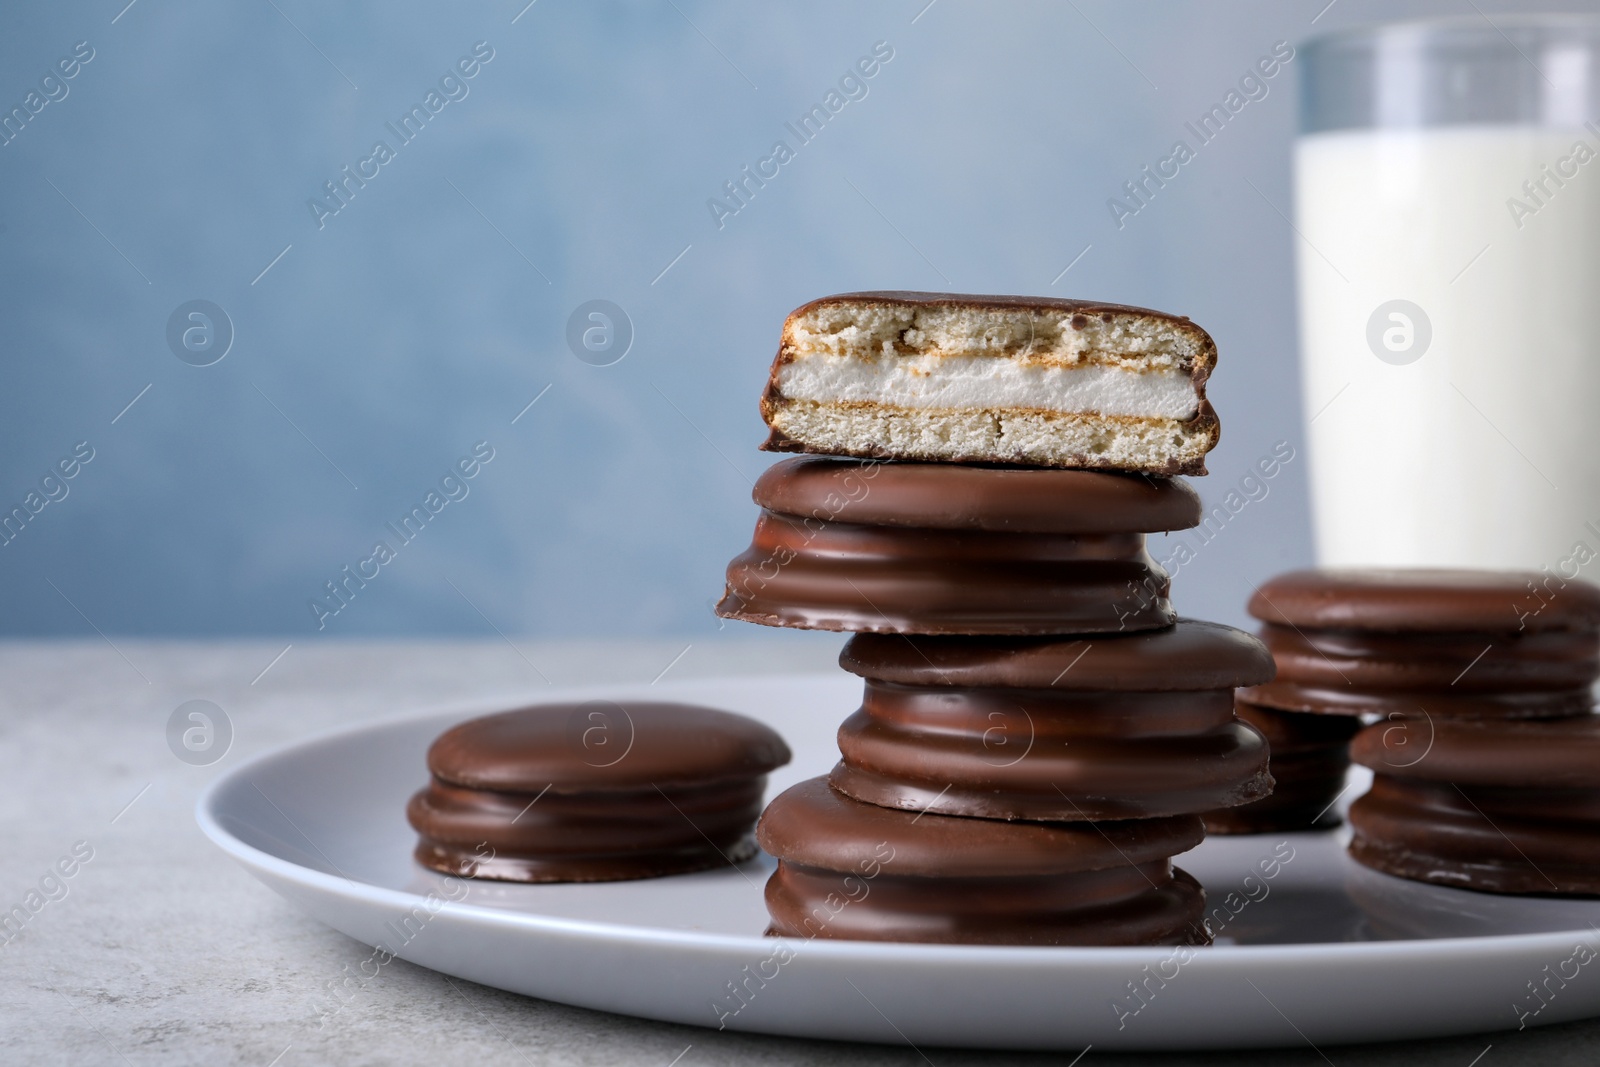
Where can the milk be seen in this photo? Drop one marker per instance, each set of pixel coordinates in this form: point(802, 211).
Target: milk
point(1485, 450)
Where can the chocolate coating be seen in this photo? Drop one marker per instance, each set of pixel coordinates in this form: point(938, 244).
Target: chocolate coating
point(822, 575)
point(595, 791)
point(815, 826)
point(948, 496)
point(1546, 753)
point(1460, 661)
point(1449, 644)
point(1495, 840)
point(596, 837)
point(1157, 904)
point(1124, 726)
point(857, 871)
point(1447, 704)
point(603, 745)
point(1426, 600)
point(1041, 754)
point(1188, 656)
point(1310, 759)
point(1504, 806)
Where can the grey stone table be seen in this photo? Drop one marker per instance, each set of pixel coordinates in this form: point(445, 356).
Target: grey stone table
point(159, 949)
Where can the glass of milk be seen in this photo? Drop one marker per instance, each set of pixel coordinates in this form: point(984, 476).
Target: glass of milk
point(1447, 186)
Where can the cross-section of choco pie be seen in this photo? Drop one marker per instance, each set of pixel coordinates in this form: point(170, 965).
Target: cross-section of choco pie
point(594, 792)
point(993, 379)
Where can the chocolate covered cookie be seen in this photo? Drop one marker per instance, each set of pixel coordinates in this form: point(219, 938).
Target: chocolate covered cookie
point(1070, 728)
point(1440, 642)
point(1497, 805)
point(1421, 643)
point(597, 791)
point(942, 549)
point(858, 871)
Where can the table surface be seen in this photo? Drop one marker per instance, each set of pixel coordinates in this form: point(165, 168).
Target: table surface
point(164, 950)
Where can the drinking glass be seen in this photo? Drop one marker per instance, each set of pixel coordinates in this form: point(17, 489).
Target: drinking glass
point(1447, 187)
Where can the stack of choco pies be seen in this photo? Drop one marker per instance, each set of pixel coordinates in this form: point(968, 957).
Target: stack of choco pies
point(1481, 736)
point(1040, 732)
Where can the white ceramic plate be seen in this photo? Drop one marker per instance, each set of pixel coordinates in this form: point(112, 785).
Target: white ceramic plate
point(1324, 951)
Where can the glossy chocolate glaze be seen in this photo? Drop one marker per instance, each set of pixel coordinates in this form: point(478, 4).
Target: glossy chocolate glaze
point(593, 791)
point(1440, 704)
point(1460, 661)
point(1534, 754)
point(604, 744)
point(1505, 806)
point(821, 575)
point(1065, 728)
point(1428, 600)
point(1192, 655)
point(857, 871)
point(1156, 904)
point(949, 496)
point(1310, 758)
point(593, 837)
point(812, 825)
point(1045, 754)
point(1491, 839)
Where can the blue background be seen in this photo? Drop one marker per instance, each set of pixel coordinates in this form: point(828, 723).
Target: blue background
point(426, 313)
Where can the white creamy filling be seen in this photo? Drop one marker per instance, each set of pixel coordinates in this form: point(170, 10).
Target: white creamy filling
point(966, 382)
